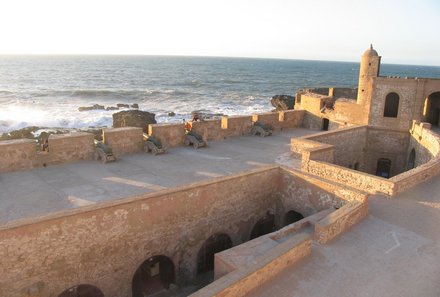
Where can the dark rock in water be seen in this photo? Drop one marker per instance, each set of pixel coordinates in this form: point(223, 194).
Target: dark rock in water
point(135, 105)
point(93, 107)
point(133, 118)
point(283, 102)
point(21, 133)
point(171, 113)
point(111, 108)
point(122, 105)
point(206, 115)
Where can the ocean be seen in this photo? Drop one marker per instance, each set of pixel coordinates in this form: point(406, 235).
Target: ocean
point(47, 91)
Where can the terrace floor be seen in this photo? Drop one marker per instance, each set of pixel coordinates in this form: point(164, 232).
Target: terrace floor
point(49, 189)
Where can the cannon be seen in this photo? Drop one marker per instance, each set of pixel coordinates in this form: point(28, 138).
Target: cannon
point(195, 139)
point(153, 145)
point(103, 152)
point(261, 129)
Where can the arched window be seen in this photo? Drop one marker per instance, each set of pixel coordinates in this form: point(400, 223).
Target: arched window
point(153, 275)
point(391, 105)
point(263, 226)
point(82, 291)
point(214, 244)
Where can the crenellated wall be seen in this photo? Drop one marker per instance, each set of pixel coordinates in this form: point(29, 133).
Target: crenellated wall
point(24, 154)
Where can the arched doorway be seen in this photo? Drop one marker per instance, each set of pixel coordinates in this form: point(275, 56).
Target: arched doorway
point(214, 244)
point(325, 124)
point(411, 160)
point(82, 291)
point(263, 226)
point(432, 110)
point(291, 217)
point(383, 167)
point(153, 275)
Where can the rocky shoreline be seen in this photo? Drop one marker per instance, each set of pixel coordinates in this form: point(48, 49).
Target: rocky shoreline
point(125, 118)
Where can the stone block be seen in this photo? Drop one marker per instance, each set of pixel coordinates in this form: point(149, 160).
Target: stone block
point(64, 148)
point(171, 135)
point(211, 130)
point(236, 125)
point(126, 140)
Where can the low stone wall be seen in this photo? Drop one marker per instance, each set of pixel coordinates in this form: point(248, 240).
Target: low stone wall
point(369, 183)
point(340, 220)
point(126, 140)
point(268, 118)
point(171, 135)
point(236, 125)
point(71, 147)
point(211, 130)
point(348, 144)
point(291, 118)
point(243, 280)
point(426, 144)
point(17, 154)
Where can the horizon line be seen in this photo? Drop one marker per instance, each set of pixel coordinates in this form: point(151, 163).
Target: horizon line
point(201, 56)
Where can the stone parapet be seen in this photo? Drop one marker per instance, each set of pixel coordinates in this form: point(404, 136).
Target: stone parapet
point(171, 135)
point(236, 125)
point(211, 130)
point(66, 148)
point(126, 140)
point(17, 154)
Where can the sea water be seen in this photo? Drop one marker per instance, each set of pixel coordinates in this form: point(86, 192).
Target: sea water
point(47, 91)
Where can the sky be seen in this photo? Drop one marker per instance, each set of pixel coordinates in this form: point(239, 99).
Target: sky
point(403, 32)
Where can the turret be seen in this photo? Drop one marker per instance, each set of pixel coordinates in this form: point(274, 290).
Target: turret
point(370, 66)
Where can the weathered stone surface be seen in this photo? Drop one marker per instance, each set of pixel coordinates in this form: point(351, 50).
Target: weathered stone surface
point(134, 105)
point(133, 118)
point(122, 105)
point(283, 102)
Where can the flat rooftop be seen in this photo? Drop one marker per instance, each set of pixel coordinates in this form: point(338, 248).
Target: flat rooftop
point(57, 187)
point(395, 251)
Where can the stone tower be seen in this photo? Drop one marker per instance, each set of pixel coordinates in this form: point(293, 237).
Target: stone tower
point(370, 65)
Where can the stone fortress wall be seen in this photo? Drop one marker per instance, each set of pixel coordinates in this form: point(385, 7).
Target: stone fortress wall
point(415, 156)
point(65, 148)
point(104, 244)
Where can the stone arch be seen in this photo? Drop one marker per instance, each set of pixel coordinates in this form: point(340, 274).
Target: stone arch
point(291, 217)
point(383, 168)
point(263, 226)
point(82, 290)
point(411, 160)
point(432, 109)
point(391, 108)
point(155, 274)
point(214, 244)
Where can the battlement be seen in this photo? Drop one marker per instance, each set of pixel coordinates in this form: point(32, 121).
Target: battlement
point(24, 154)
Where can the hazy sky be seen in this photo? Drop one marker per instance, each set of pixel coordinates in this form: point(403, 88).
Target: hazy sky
point(402, 31)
